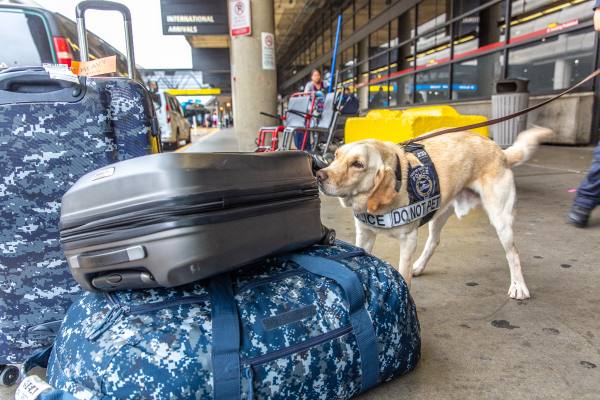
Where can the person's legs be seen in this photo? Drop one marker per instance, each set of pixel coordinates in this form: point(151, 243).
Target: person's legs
point(588, 193)
point(299, 140)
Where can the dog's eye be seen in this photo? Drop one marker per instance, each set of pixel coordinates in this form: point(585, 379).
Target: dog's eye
point(358, 164)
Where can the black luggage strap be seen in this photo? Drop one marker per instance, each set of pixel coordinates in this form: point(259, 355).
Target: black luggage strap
point(226, 339)
point(362, 326)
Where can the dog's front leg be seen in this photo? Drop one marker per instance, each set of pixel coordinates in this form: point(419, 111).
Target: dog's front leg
point(408, 246)
point(365, 237)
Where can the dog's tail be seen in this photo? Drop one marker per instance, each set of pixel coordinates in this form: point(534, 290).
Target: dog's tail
point(526, 144)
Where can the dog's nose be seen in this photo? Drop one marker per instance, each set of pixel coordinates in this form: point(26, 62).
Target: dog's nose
point(321, 175)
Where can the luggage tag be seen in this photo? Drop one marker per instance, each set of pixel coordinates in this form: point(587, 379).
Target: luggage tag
point(31, 388)
point(99, 66)
point(60, 71)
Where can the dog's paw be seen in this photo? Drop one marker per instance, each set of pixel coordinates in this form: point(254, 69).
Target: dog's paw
point(418, 269)
point(518, 291)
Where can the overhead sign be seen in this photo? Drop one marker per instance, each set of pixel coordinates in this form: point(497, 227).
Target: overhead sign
point(194, 92)
point(240, 18)
point(469, 87)
point(268, 50)
point(194, 17)
point(385, 88)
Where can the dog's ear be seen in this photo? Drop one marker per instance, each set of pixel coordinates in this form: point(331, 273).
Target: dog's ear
point(384, 190)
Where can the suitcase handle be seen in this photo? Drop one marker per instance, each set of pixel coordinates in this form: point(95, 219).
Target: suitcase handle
point(110, 257)
point(35, 85)
point(106, 6)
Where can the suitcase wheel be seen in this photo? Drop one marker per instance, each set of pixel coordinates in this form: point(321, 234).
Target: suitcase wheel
point(329, 237)
point(9, 374)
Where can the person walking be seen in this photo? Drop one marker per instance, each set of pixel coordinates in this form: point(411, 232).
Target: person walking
point(588, 193)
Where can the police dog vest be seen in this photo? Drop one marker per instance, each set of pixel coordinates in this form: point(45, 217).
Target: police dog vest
point(423, 193)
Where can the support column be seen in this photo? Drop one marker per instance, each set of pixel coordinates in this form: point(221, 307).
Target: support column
point(363, 74)
point(254, 89)
point(488, 71)
point(562, 74)
point(405, 24)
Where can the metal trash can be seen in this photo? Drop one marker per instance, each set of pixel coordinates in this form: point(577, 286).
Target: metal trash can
point(510, 96)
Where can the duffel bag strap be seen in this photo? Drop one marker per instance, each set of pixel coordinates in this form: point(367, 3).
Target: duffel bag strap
point(362, 325)
point(38, 359)
point(226, 339)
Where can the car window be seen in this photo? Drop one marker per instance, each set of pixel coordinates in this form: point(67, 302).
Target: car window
point(24, 39)
point(172, 104)
point(175, 106)
point(97, 47)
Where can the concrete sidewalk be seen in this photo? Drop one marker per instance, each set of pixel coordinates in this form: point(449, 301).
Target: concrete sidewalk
point(221, 140)
point(476, 342)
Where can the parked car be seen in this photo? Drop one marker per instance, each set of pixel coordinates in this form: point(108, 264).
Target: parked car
point(31, 35)
point(175, 129)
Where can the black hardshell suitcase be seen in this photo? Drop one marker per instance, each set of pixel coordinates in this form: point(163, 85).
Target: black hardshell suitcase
point(203, 214)
point(51, 133)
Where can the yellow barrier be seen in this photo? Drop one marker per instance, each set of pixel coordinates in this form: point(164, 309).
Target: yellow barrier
point(400, 125)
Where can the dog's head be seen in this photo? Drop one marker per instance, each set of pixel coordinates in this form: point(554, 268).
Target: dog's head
point(362, 175)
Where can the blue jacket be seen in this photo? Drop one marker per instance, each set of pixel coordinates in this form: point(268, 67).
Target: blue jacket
point(596, 4)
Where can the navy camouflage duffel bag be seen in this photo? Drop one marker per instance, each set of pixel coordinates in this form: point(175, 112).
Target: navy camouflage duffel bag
point(325, 323)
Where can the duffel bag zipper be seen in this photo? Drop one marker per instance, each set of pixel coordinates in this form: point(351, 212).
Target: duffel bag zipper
point(315, 341)
point(117, 310)
point(271, 279)
point(101, 326)
point(147, 308)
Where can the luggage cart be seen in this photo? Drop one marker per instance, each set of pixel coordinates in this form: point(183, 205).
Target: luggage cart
point(302, 118)
point(298, 116)
point(268, 136)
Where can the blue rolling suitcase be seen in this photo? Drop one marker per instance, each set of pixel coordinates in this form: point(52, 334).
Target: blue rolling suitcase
point(51, 133)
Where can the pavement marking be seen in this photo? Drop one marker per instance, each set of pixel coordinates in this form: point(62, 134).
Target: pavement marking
point(183, 148)
point(573, 171)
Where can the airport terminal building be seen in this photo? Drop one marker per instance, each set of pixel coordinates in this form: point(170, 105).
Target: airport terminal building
point(395, 54)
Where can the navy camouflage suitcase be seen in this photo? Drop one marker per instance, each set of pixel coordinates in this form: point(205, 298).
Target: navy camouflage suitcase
point(328, 322)
point(51, 133)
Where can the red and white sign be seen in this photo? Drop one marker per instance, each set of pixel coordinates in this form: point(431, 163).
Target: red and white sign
point(268, 50)
point(240, 18)
point(559, 27)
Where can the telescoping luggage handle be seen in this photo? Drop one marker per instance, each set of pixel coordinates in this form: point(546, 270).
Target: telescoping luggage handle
point(106, 6)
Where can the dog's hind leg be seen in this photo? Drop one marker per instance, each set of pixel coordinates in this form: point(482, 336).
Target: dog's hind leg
point(365, 238)
point(498, 195)
point(433, 240)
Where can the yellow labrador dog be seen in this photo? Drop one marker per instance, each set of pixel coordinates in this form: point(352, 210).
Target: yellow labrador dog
point(370, 176)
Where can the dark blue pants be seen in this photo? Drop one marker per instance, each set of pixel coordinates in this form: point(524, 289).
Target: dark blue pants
point(588, 194)
point(299, 138)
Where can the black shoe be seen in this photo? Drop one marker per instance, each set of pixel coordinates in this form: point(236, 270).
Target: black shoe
point(579, 216)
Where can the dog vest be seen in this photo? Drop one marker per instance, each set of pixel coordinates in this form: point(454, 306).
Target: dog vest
point(423, 193)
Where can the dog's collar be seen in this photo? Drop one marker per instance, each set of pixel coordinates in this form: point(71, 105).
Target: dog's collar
point(398, 174)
